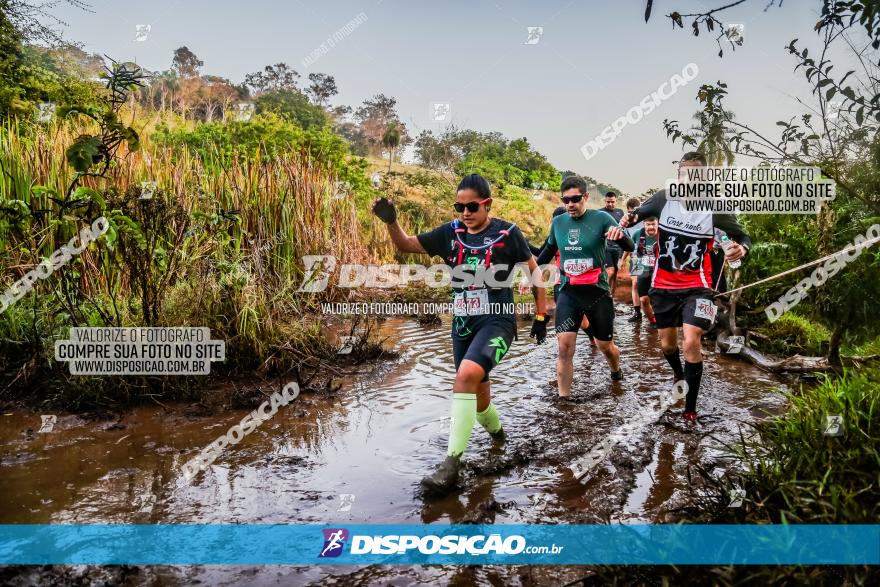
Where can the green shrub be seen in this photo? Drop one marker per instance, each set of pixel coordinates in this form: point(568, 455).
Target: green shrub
point(792, 334)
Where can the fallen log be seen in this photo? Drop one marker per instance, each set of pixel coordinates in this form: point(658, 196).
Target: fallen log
point(795, 364)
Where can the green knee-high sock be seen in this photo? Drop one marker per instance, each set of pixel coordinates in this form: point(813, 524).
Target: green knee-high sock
point(489, 420)
point(464, 413)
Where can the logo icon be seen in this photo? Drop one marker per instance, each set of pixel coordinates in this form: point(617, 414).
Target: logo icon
point(833, 425)
point(317, 272)
point(574, 235)
point(243, 112)
point(736, 344)
point(141, 32)
point(47, 423)
point(440, 111)
point(834, 109)
point(534, 33)
point(346, 500)
point(148, 190)
point(347, 343)
point(500, 346)
point(737, 496)
point(46, 112)
point(334, 541)
point(735, 33)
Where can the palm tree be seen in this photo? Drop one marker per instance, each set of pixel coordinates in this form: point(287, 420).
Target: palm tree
point(714, 137)
point(391, 140)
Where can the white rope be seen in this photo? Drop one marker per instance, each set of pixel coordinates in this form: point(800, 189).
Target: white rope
point(863, 245)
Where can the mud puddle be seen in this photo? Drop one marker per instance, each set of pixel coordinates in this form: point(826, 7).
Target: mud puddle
point(357, 456)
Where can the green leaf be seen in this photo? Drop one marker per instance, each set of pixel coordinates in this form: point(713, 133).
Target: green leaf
point(132, 138)
point(91, 195)
point(84, 152)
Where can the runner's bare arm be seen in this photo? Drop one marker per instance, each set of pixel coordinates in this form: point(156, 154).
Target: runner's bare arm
point(404, 242)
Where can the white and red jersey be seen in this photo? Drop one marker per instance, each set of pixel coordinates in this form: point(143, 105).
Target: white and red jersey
point(685, 241)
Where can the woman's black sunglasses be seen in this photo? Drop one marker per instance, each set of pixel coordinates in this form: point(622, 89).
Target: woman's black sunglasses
point(470, 206)
point(571, 199)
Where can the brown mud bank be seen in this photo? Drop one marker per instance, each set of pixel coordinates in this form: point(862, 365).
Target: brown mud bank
point(356, 455)
point(314, 356)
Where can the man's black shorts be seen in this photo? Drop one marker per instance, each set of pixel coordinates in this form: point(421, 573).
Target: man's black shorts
point(576, 300)
point(643, 284)
point(672, 307)
point(612, 257)
point(481, 339)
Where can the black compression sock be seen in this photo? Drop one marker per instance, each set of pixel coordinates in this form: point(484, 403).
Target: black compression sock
point(693, 373)
point(674, 360)
point(637, 310)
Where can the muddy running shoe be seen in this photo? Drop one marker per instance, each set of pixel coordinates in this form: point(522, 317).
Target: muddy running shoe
point(690, 417)
point(636, 317)
point(617, 375)
point(444, 478)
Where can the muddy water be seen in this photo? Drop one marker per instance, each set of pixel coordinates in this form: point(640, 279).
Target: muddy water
point(357, 456)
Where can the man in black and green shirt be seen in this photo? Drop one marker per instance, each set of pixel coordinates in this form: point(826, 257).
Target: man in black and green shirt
point(579, 236)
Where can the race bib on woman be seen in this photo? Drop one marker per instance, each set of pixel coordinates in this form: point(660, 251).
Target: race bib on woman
point(471, 302)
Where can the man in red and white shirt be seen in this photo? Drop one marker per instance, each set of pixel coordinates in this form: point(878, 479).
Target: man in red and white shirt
point(681, 285)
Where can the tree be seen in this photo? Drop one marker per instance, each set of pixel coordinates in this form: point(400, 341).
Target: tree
point(391, 141)
point(373, 118)
point(185, 63)
point(273, 78)
point(10, 69)
point(162, 89)
point(215, 96)
point(293, 106)
point(322, 88)
point(30, 19)
point(714, 137)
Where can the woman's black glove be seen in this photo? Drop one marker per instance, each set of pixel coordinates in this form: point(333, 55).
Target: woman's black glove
point(385, 210)
point(539, 329)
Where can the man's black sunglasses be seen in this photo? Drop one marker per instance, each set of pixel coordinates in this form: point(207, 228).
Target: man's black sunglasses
point(572, 199)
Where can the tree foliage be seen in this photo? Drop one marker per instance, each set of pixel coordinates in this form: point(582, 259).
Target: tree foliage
point(502, 161)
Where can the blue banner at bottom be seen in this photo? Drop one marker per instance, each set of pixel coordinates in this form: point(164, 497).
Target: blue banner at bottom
point(367, 544)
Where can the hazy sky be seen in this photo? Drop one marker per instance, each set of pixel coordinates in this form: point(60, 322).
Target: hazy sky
point(594, 61)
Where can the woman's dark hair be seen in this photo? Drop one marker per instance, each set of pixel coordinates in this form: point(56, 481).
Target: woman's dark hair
point(693, 156)
point(573, 181)
point(477, 183)
point(633, 203)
